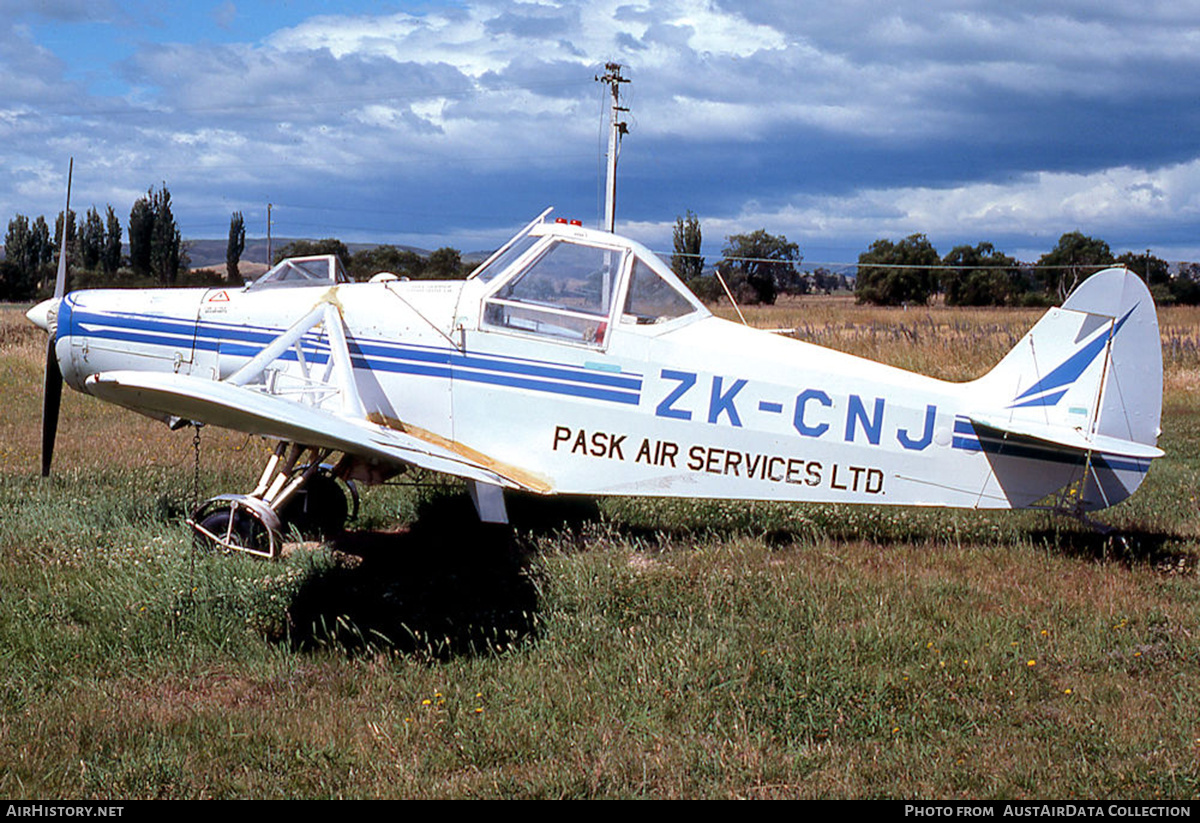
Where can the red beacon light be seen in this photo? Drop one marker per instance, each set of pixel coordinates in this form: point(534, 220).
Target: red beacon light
point(564, 221)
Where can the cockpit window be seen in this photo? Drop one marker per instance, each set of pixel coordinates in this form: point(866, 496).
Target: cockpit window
point(566, 293)
point(323, 269)
point(568, 276)
point(651, 299)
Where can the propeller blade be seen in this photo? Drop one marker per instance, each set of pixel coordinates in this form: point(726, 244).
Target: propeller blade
point(52, 383)
point(51, 400)
point(60, 281)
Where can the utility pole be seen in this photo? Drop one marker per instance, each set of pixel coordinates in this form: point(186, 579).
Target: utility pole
point(617, 129)
point(269, 263)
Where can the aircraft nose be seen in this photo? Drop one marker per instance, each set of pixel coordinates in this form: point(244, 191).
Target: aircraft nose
point(44, 314)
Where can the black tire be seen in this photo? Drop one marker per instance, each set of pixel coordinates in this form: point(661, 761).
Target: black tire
point(319, 509)
point(247, 532)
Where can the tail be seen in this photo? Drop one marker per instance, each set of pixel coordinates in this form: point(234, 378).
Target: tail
point(1082, 392)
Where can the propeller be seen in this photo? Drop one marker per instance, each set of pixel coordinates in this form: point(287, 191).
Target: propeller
point(52, 385)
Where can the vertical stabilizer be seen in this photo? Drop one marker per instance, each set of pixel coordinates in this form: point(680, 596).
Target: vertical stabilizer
point(1086, 383)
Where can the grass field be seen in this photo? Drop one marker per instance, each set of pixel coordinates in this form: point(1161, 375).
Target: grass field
point(663, 649)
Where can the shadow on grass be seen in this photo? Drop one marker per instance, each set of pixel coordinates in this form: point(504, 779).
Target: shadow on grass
point(1164, 551)
point(450, 586)
point(447, 586)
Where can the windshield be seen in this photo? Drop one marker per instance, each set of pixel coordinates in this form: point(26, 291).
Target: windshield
point(323, 269)
point(500, 262)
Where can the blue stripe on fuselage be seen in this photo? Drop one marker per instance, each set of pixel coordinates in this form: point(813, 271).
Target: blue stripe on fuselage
point(377, 355)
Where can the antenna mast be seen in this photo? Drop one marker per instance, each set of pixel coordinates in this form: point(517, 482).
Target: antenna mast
point(618, 129)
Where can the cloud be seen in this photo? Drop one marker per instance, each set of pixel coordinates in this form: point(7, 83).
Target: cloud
point(1024, 217)
point(845, 122)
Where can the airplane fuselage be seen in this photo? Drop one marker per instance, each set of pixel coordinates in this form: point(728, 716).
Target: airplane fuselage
point(688, 406)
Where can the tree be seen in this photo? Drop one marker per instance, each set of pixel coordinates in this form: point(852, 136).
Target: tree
point(403, 262)
point(308, 248)
point(155, 247)
point(41, 248)
point(1185, 285)
point(10, 280)
point(165, 242)
point(686, 262)
point(756, 265)
point(1075, 258)
point(981, 276)
point(826, 281)
point(1153, 270)
point(22, 259)
point(235, 247)
point(91, 240)
point(110, 260)
point(141, 226)
point(891, 274)
point(445, 264)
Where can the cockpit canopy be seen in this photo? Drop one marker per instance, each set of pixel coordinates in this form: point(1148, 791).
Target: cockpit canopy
point(573, 284)
point(318, 270)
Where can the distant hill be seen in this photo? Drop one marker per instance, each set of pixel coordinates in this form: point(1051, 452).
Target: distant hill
point(206, 253)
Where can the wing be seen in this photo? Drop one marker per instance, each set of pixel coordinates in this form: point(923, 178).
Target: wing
point(249, 410)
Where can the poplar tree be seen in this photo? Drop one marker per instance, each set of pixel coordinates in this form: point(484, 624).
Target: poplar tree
point(235, 247)
point(686, 262)
point(110, 260)
point(165, 241)
point(91, 240)
point(141, 224)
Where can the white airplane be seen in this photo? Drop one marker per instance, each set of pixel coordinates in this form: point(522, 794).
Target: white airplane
point(574, 362)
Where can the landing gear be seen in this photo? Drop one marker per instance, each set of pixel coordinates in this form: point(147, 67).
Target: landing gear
point(306, 496)
point(320, 508)
point(232, 523)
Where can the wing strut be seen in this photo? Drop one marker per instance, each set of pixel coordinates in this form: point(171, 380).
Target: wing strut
point(327, 311)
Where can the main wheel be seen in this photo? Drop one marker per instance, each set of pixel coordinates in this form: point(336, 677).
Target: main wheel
point(235, 526)
point(318, 509)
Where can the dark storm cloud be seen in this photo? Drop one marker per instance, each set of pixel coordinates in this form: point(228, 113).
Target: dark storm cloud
point(849, 119)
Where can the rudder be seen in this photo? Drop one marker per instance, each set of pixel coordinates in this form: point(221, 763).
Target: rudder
point(1088, 378)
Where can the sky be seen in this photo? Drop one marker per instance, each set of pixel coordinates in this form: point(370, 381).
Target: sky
point(455, 123)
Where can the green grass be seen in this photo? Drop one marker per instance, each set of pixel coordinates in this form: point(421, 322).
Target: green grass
point(665, 649)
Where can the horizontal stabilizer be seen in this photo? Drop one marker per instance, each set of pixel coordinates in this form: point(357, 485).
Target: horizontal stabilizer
point(248, 410)
point(1067, 437)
